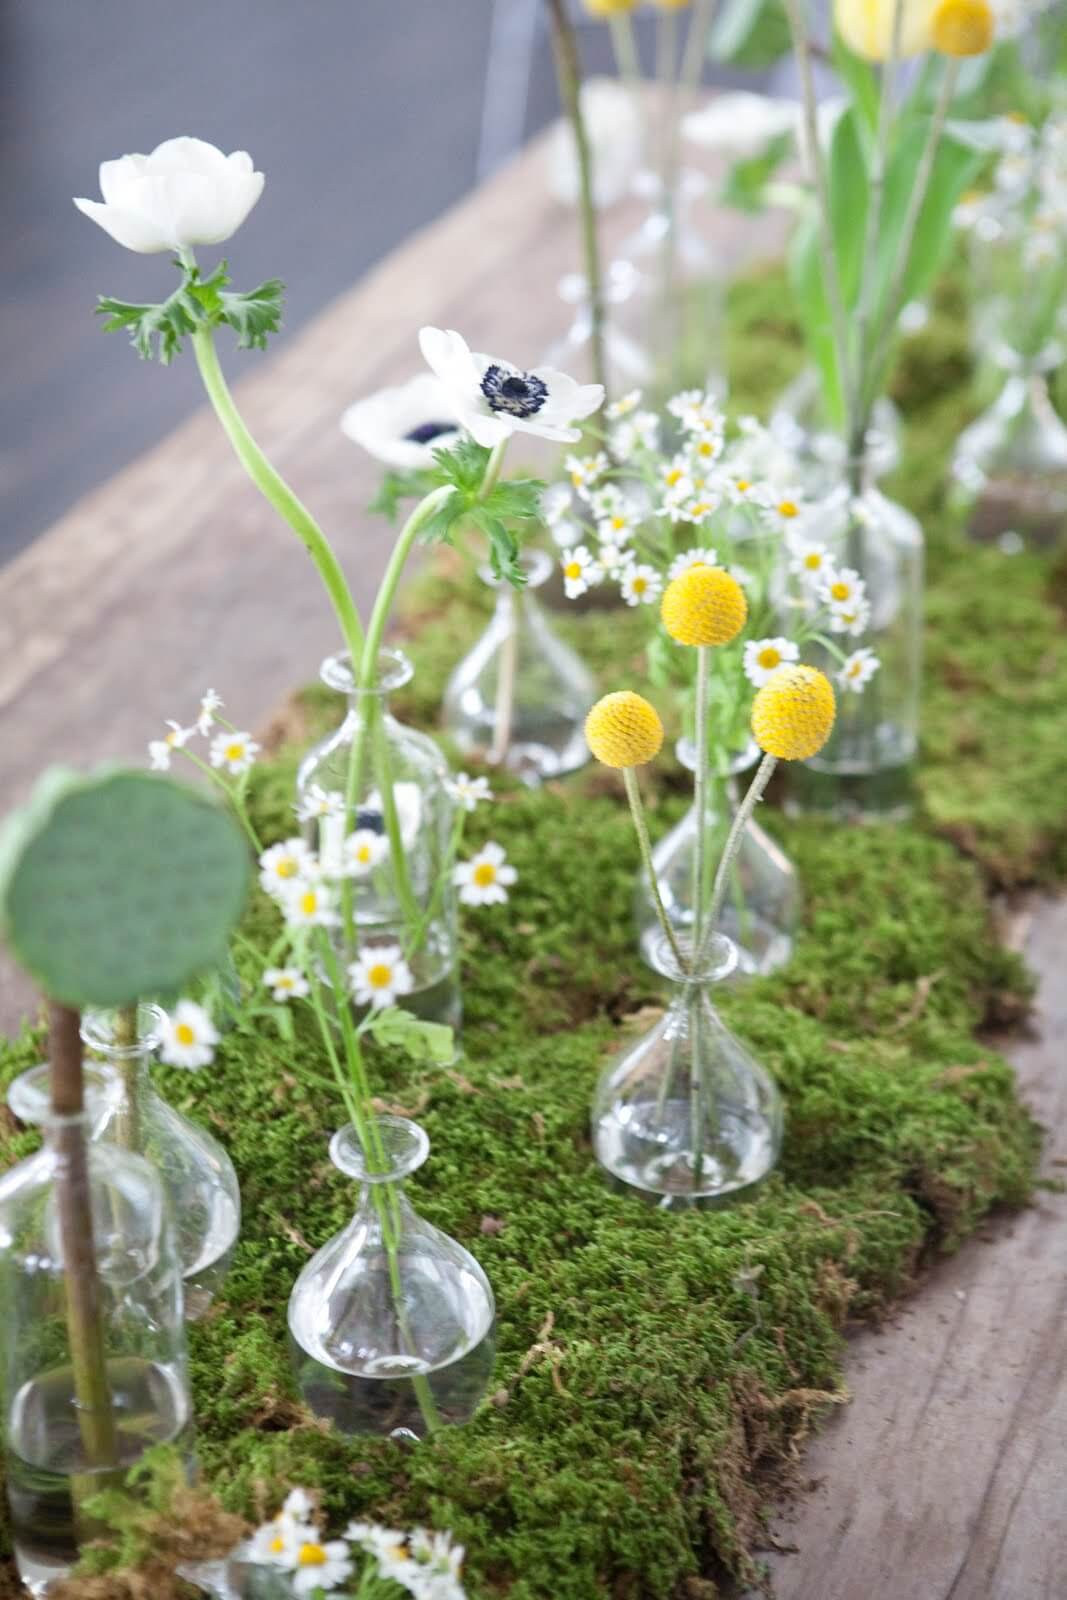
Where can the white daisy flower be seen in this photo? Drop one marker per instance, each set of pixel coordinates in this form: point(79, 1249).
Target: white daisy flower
point(317, 802)
point(468, 792)
point(604, 500)
point(701, 507)
point(403, 426)
point(703, 416)
point(187, 1036)
point(362, 851)
point(851, 617)
point(580, 571)
point(705, 449)
point(272, 1545)
point(286, 983)
point(675, 472)
point(622, 408)
point(743, 488)
point(684, 401)
point(690, 559)
point(283, 864)
point(858, 670)
point(379, 974)
point(390, 1550)
point(557, 504)
point(318, 1565)
point(160, 750)
point(493, 399)
point(236, 752)
point(811, 562)
point(484, 880)
point(784, 508)
point(620, 526)
point(210, 703)
point(586, 470)
point(613, 558)
point(310, 904)
point(764, 656)
point(641, 585)
point(298, 1505)
point(843, 587)
point(639, 432)
point(676, 501)
point(440, 1562)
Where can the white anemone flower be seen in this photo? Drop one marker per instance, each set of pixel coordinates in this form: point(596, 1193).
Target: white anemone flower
point(310, 904)
point(858, 669)
point(741, 125)
point(403, 426)
point(641, 585)
point(363, 850)
point(493, 399)
point(210, 702)
point(764, 656)
point(580, 571)
point(186, 192)
point(235, 751)
point(379, 975)
point(187, 1036)
point(286, 983)
point(469, 792)
point(283, 864)
point(484, 880)
point(689, 559)
point(160, 750)
point(614, 129)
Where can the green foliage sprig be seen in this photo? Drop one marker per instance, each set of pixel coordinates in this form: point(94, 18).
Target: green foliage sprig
point(157, 331)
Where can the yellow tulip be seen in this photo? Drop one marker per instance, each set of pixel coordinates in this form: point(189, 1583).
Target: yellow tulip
point(867, 26)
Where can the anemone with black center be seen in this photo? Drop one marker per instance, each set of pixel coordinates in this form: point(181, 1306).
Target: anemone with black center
point(520, 394)
point(426, 432)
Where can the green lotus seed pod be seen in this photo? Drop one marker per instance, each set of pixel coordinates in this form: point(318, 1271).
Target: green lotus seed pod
point(118, 885)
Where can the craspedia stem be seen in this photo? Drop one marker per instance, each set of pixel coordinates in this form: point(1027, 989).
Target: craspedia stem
point(637, 811)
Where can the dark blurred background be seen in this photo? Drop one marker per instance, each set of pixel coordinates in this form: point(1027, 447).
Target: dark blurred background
point(369, 118)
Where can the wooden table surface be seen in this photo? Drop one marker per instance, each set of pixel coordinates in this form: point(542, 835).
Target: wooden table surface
point(946, 1477)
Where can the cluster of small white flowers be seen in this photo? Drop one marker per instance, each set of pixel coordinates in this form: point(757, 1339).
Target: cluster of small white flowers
point(427, 1565)
point(1027, 201)
point(230, 749)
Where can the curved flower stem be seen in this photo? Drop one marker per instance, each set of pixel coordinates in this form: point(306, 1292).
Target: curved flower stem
point(700, 791)
point(235, 799)
point(633, 795)
point(733, 844)
point(274, 488)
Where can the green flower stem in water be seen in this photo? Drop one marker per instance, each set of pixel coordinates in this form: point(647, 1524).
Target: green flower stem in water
point(127, 1036)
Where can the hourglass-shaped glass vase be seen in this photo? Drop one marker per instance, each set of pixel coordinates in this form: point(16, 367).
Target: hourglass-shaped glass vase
point(687, 1116)
point(59, 1449)
point(762, 903)
point(373, 775)
point(520, 697)
point(392, 1322)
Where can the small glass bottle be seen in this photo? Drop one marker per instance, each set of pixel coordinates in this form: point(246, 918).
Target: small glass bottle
point(198, 1176)
point(60, 1451)
point(392, 1322)
point(762, 904)
point(400, 793)
point(815, 451)
point(519, 698)
point(687, 1116)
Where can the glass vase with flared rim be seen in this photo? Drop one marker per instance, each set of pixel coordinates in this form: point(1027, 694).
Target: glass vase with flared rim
point(816, 452)
point(685, 1116)
point(627, 364)
point(519, 698)
point(89, 1383)
point(865, 771)
point(198, 1177)
point(392, 1322)
point(405, 898)
point(762, 905)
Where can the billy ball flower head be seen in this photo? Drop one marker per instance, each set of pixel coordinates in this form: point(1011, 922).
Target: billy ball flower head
point(484, 880)
point(492, 399)
point(962, 27)
point(624, 730)
point(379, 975)
point(764, 656)
point(704, 606)
point(286, 983)
point(235, 751)
point(404, 425)
point(187, 1036)
point(184, 193)
point(793, 714)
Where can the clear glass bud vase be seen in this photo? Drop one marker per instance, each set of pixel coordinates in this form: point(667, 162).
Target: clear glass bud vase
point(687, 1116)
point(67, 1435)
point(815, 450)
point(392, 1322)
point(388, 785)
point(520, 697)
point(762, 902)
point(865, 770)
point(198, 1176)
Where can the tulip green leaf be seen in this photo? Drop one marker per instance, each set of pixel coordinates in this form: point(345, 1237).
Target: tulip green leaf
point(118, 885)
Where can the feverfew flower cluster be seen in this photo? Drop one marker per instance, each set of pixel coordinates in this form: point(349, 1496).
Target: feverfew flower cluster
point(1022, 217)
point(230, 750)
point(427, 1565)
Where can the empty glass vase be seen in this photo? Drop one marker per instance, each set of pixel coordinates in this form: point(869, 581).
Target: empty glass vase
point(374, 781)
point(392, 1322)
point(519, 699)
point(762, 903)
point(686, 1116)
point(89, 1382)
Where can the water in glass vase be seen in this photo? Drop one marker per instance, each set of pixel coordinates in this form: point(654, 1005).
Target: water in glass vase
point(47, 1472)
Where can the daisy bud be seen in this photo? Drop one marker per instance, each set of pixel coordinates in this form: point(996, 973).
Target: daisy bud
point(623, 730)
point(963, 27)
point(793, 714)
point(704, 606)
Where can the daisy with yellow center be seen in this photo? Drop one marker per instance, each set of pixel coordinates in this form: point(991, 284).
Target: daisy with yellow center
point(784, 509)
point(858, 669)
point(282, 864)
point(764, 656)
point(641, 585)
point(310, 904)
point(705, 606)
point(234, 751)
point(187, 1036)
point(691, 558)
point(286, 983)
point(811, 563)
point(380, 975)
point(319, 1567)
point(160, 750)
point(842, 587)
point(485, 879)
point(363, 851)
point(586, 470)
point(850, 616)
point(622, 408)
point(580, 571)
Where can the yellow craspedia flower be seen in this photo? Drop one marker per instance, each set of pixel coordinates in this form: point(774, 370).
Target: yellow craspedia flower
point(704, 606)
point(608, 8)
point(623, 730)
point(793, 714)
point(867, 27)
point(962, 27)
